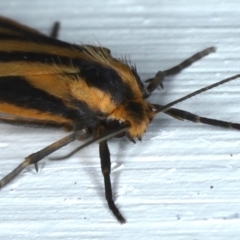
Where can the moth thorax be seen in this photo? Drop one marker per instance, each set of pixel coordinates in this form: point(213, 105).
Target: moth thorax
point(138, 113)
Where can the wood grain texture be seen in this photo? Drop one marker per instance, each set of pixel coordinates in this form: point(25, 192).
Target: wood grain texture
point(182, 181)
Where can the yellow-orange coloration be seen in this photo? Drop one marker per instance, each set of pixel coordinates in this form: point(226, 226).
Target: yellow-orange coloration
point(64, 80)
point(32, 69)
point(137, 125)
point(31, 114)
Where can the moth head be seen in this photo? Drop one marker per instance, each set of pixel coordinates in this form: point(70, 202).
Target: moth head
point(137, 113)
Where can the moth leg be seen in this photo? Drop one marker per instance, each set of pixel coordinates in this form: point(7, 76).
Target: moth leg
point(55, 30)
point(106, 170)
point(154, 83)
point(189, 61)
point(37, 156)
point(159, 77)
point(181, 115)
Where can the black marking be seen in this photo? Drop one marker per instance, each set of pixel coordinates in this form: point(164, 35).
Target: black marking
point(135, 110)
point(95, 75)
point(35, 57)
point(17, 91)
point(107, 80)
point(89, 118)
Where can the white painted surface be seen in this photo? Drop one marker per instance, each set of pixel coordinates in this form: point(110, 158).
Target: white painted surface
point(183, 180)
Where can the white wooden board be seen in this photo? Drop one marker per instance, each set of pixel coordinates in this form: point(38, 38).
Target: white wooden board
point(183, 180)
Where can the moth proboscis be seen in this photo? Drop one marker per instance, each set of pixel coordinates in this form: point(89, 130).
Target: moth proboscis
point(83, 89)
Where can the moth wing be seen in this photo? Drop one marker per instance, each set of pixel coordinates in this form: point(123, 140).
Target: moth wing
point(13, 28)
point(29, 122)
point(35, 76)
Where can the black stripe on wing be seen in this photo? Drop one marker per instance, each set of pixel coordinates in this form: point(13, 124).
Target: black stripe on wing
point(17, 91)
point(95, 75)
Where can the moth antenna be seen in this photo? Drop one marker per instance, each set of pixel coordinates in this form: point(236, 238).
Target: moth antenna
point(107, 135)
point(167, 106)
point(184, 115)
point(37, 156)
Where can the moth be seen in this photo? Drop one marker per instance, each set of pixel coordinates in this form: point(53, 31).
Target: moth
point(83, 89)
